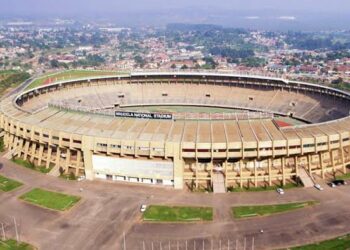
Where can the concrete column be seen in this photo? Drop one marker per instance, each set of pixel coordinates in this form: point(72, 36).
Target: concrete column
point(26, 149)
point(48, 157)
point(178, 168)
point(33, 152)
point(269, 163)
point(67, 162)
point(20, 148)
point(283, 163)
point(255, 174)
point(78, 163)
point(296, 166)
point(196, 173)
point(332, 161)
point(58, 156)
point(342, 159)
point(241, 173)
point(322, 165)
point(41, 150)
point(225, 169)
point(309, 164)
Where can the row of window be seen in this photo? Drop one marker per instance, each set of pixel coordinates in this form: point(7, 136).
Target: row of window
point(104, 145)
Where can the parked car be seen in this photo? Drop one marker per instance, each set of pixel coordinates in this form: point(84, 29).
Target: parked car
point(280, 190)
point(81, 178)
point(332, 185)
point(339, 182)
point(143, 208)
point(318, 186)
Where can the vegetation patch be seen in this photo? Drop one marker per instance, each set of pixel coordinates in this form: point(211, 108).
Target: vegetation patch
point(13, 245)
point(31, 165)
point(7, 184)
point(342, 242)
point(343, 177)
point(265, 188)
point(49, 199)
point(11, 78)
point(177, 214)
point(264, 210)
point(2, 144)
point(71, 176)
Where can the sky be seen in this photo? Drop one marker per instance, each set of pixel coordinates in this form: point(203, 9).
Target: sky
point(226, 12)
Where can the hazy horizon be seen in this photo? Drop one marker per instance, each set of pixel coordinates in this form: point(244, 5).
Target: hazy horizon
point(269, 14)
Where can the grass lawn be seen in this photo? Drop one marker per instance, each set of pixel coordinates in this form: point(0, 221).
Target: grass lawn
point(12, 245)
point(30, 165)
point(7, 184)
point(343, 177)
point(172, 214)
point(333, 244)
point(49, 199)
point(263, 210)
point(66, 75)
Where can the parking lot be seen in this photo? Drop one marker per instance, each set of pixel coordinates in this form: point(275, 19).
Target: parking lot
point(108, 216)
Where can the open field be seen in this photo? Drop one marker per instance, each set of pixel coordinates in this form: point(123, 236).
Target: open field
point(333, 244)
point(173, 214)
point(7, 184)
point(252, 211)
point(13, 245)
point(66, 75)
point(30, 165)
point(49, 199)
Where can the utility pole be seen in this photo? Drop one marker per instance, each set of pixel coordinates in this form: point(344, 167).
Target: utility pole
point(124, 241)
point(253, 243)
point(17, 237)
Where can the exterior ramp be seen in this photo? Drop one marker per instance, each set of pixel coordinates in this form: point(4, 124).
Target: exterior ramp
point(305, 178)
point(55, 171)
point(219, 183)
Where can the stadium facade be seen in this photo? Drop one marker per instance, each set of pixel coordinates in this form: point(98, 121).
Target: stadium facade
point(70, 126)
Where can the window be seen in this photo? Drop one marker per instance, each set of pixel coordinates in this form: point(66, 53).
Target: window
point(207, 95)
point(234, 150)
point(164, 94)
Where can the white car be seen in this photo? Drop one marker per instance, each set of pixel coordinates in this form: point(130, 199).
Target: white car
point(143, 208)
point(280, 190)
point(318, 186)
point(81, 178)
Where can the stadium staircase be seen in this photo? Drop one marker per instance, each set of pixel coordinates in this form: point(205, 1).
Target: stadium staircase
point(306, 178)
point(55, 171)
point(219, 183)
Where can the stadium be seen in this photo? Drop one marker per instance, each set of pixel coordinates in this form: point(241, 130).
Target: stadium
point(195, 130)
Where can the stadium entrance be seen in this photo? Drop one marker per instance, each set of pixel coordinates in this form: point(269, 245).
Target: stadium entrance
point(133, 170)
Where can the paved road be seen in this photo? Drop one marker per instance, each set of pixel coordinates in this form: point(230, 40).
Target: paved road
point(108, 211)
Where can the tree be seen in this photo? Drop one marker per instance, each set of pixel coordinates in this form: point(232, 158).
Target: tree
point(184, 66)
point(54, 63)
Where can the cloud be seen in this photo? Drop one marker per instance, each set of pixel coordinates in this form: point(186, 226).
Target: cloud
point(252, 17)
point(287, 18)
